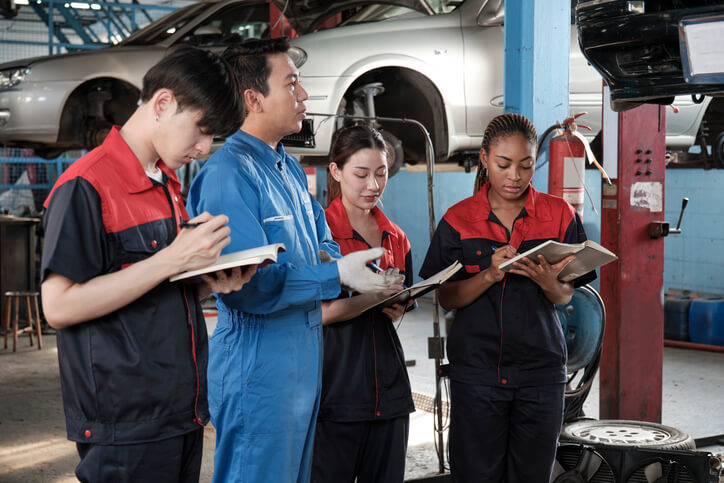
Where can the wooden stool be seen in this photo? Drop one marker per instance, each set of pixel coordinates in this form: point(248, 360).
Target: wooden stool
point(33, 317)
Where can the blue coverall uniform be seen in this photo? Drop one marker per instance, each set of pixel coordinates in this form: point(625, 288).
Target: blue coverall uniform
point(265, 355)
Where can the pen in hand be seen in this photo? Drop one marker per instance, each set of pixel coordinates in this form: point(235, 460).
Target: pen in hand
point(375, 267)
point(187, 224)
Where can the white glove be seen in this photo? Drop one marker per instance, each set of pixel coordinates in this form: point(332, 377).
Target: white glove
point(355, 274)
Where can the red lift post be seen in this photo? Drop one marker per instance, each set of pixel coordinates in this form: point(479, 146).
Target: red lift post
point(632, 360)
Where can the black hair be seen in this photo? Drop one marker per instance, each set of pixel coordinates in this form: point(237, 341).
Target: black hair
point(249, 60)
point(346, 142)
point(201, 80)
point(500, 127)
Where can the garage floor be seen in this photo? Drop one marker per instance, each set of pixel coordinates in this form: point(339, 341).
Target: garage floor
point(33, 447)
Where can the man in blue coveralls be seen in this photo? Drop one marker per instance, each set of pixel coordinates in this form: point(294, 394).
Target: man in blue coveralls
point(266, 351)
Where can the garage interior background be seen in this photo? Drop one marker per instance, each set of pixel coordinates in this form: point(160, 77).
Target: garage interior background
point(694, 260)
point(689, 267)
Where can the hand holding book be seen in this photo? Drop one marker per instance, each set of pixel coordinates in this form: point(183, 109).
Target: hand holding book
point(404, 296)
point(589, 256)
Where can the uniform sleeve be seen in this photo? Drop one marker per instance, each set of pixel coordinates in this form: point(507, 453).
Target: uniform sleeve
point(218, 189)
point(409, 277)
point(74, 245)
point(576, 234)
point(324, 234)
point(445, 248)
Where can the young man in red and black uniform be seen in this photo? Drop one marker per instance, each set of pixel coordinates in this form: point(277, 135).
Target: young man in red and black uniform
point(132, 347)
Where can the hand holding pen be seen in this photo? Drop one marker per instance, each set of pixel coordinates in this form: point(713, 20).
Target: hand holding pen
point(188, 224)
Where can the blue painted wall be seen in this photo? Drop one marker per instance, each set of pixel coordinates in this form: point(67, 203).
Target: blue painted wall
point(694, 260)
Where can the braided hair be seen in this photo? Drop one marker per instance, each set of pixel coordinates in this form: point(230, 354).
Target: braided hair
point(500, 127)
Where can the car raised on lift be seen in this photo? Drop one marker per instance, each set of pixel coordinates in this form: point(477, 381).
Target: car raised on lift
point(437, 61)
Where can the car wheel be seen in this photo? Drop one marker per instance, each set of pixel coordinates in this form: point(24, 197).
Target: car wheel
point(717, 150)
point(96, 133)
point(395, 153)
point(626, 433)
point(48, 153)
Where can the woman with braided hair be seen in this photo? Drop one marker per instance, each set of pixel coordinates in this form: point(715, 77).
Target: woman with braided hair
point(506, 348)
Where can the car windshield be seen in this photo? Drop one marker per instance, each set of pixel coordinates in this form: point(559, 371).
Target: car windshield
point(166, 26)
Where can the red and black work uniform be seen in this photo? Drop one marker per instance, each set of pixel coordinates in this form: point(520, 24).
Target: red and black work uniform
point(366, 398)
point(136, 375)
point(506, 349)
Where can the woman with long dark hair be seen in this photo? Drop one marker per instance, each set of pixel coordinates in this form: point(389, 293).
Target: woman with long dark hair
point(363, 420)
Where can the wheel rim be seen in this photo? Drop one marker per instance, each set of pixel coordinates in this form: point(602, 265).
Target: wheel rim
point(622, 434)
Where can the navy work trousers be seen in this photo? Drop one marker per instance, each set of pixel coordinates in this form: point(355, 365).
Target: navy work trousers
point(370, 451)
point(172, 460)
point(502, 435)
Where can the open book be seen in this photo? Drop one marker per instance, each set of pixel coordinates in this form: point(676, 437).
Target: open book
point(589, 256)
point(420, 288)
point(254, 256)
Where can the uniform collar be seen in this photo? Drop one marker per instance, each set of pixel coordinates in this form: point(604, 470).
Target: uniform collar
point(530, 208)
point(131, 173)
point(261, 150)
point(341, 227)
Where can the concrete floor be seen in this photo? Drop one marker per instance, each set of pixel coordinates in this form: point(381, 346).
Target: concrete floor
point(33, 447)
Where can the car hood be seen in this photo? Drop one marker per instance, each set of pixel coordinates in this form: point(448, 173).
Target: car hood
point(306, 16)
point(82, 54)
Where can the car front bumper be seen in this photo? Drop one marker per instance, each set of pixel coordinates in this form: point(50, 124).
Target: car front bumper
point(30, 112)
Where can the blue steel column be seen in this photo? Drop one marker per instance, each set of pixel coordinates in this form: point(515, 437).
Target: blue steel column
point(537, 51)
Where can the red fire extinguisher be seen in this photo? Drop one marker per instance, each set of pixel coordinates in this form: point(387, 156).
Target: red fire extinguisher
point(566, 172)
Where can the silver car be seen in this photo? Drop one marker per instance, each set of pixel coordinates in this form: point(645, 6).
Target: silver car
point(439, 62)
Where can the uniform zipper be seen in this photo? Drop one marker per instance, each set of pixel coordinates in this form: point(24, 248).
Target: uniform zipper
point(197, 420)
point(502, 296)
point(374, 350)
point(358, 237)
point(500, 352)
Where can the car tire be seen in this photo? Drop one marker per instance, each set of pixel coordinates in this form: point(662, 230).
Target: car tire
point(717, 150)
point(48, 153)
point(640, 434)
point(96, 133)
point(395, 153)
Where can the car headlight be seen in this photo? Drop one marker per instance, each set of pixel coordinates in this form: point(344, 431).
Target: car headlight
point(13, 77)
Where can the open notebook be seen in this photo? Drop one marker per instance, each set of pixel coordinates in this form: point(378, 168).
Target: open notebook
point(263, 255)
point(589, 256)
point(420, 288)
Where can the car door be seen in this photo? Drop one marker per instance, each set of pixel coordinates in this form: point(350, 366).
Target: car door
point(483, 50)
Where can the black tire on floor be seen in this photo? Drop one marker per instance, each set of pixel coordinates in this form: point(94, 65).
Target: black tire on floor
point(626, 433)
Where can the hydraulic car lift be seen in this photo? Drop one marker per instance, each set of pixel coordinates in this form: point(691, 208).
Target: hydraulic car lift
point(631, 365)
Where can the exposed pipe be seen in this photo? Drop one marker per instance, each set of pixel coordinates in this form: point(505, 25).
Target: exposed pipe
point(693, 345)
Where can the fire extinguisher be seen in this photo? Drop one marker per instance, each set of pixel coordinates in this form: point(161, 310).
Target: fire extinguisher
point(566, 158)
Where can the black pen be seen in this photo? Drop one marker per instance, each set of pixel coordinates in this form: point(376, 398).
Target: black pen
point(188, 224)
